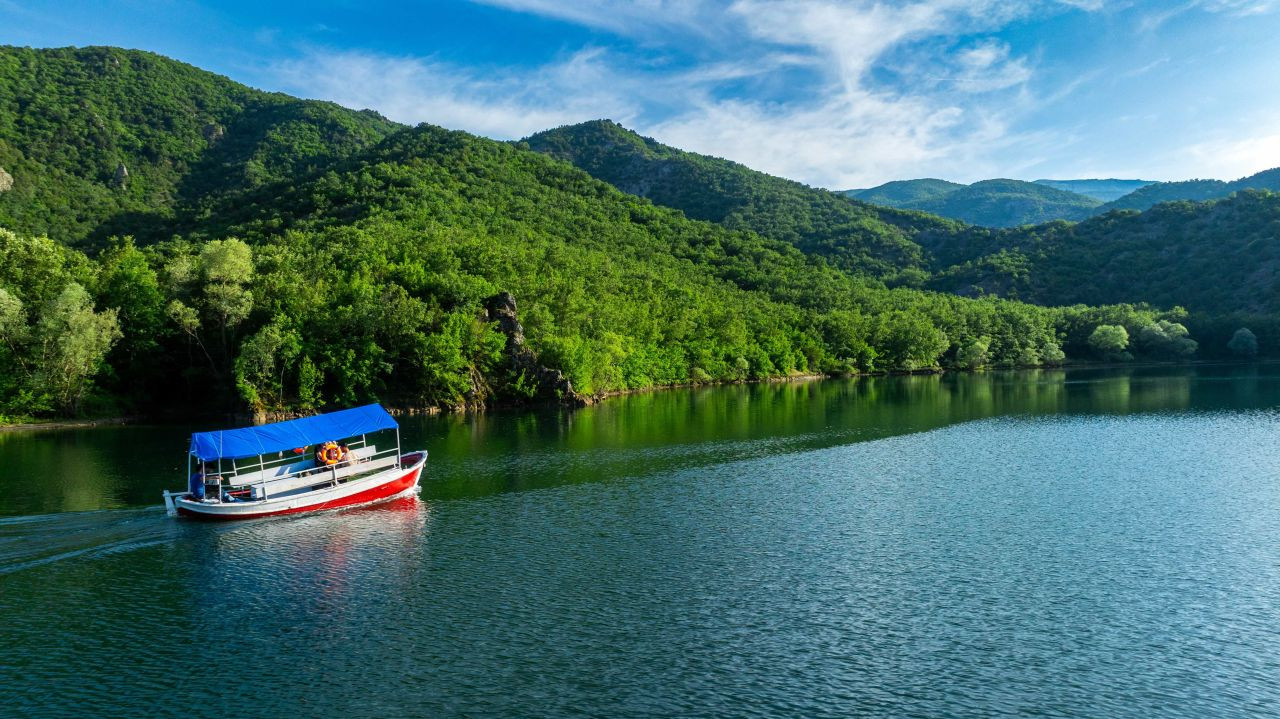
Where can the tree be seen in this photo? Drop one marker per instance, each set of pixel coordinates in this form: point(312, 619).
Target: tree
point(264, 362)
point(13, 336)
point(216, 286)
point(975, 353)
point(909, 341)
point(1244, 343)
point(72, 342)
point(13, 324)
point(1166, 339)
point(1051, 352)
point(128, 284)
point(1110, 342)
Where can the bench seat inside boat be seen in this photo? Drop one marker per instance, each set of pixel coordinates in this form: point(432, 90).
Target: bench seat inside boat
point(303, 475)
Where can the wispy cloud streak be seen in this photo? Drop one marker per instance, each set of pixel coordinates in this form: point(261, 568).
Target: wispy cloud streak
point(870, 90)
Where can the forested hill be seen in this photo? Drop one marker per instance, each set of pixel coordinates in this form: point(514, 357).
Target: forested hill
point(991, 203)
point(1217, 257)
point(855, 236)
point(1214, 258)
point(369, 262)
point(904, 192)
point(1193, 190)
point(101, 141)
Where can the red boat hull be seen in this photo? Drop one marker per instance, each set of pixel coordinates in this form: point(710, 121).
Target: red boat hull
point(383, 491)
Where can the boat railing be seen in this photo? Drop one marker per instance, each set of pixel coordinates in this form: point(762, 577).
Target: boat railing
point(285, 460)
point(262, 483)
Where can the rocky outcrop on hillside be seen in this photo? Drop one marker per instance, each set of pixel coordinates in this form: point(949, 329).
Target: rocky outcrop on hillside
point(549, 383)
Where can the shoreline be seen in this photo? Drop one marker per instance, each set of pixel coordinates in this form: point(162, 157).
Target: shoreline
point(58, 424)
point(70, 424)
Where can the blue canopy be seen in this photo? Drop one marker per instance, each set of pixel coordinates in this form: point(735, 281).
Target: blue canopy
point(253, 441)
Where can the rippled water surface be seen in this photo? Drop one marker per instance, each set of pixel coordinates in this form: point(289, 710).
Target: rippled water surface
point(1084, 543)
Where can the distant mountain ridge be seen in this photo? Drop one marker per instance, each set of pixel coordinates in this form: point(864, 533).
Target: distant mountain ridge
point(900, 193)
point(1193, 190)
point(990, 203)
point(1010, 203)
point(1107, 190)
point(855, 236)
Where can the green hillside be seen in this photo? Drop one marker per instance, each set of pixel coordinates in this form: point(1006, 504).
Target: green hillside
point(1193, 190)
point(1217, 257)
point(854, 236)
point(991, 203)
point(1101, 190)
point(1209, 258)
point(99, 140)
point(311, 256)
point(901, 193)
point(1007, 203)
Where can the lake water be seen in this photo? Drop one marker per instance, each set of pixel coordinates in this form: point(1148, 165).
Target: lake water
point(1083, 543)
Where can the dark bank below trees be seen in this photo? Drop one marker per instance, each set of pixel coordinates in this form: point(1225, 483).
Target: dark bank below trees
point(274, 255)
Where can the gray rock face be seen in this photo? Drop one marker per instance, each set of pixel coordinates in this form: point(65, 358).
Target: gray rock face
point(122, 176)
point(6, 181)
point(551, 383)
point(213, 132)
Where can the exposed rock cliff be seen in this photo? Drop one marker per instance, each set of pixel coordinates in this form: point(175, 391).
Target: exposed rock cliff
point(549, 383)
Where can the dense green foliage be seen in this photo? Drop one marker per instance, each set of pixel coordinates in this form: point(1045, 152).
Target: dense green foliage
point(1102, 190)
point(102, 141)
point(990, 203)
point(1008, 203)
point(1217, 258)
point(1192, 190)
point(52, 342)
point(854, 236)
point(900, 193)
point(332, 258)
point(1244, 343)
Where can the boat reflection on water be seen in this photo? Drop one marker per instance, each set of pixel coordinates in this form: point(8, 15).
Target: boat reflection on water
point(316, 567)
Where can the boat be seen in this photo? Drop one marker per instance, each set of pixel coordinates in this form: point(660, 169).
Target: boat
point(310, 464)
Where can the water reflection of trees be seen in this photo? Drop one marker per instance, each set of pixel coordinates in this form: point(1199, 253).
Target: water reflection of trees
point(643, 433)
point(659, 431)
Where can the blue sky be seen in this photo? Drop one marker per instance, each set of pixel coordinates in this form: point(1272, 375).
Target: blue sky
point(837, 93)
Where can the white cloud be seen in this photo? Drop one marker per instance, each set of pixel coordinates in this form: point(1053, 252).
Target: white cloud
point(1241, 7)
point(1233, 157)
point(950, 112)
point(625, 17)
point(501, 104)
point(1152, 21)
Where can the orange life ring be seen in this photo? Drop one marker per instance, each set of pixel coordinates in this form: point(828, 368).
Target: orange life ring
point(330, 453)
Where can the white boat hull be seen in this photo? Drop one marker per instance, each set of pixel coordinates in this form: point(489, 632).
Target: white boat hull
point(377, 487)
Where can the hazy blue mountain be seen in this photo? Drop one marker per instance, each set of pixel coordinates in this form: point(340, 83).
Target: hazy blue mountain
point(991, 203)
point(1107, 190)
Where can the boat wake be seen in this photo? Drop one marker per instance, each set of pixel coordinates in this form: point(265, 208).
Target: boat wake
point(31, 541)
point(35, 540)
